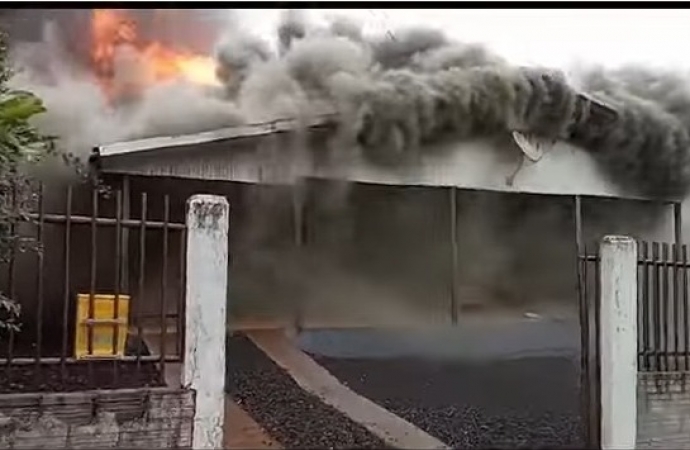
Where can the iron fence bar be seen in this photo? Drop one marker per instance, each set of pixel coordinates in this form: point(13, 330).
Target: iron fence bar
point(589, 352)
point(118, 280)
point(142, 275)
point(656, 304)
point(597, 355)
point(105, 221)
point(54, 360)
point(39, 281)
point(664, 307)
point(92, 281)
point(12, 268)
point(181, 294)
point(584, 320)
point(662, 352)
point(678, 241)
point(686, 310)
point(578, 226)
point(651, 295)
point(678, 223)
point(676, 307)
point(66, 294)
point(126, 212)
point(454, 256)
point(172, 315)
point(663, 264)
point(640, 316)
point(164, 282)
point(645, 306)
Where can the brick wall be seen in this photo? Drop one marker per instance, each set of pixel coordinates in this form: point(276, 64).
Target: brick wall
point(127, 418)
point(663, 420)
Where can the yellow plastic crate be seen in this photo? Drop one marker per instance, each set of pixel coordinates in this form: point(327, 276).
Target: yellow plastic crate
point(103, 329)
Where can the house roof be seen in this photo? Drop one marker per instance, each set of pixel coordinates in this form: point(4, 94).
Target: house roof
point(598, 111)
point(205, 156)
point(163, 143)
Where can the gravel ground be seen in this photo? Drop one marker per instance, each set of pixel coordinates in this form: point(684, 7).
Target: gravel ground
point(295, 418)
point(526, 403)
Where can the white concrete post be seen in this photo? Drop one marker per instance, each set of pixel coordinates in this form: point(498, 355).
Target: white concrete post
point(205, 321)
point(618, 344)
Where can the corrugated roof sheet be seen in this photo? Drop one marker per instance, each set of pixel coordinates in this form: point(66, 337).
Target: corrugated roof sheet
point(208, 155)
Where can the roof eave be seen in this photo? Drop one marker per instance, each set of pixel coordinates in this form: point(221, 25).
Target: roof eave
point(237, 132)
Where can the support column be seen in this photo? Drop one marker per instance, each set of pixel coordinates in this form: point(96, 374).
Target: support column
point(205, 321)
point(299, 193)
point(454, 255)
point(618, 344)
point(678, 225)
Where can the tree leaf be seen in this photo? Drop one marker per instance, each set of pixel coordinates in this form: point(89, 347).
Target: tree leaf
point(19, 106)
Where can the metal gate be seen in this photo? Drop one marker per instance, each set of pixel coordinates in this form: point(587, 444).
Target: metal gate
point(663, 320)
point(107, 248)
point(590, 383)
point(663, 316)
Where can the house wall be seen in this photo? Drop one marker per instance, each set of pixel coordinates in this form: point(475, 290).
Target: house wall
point(134, 418)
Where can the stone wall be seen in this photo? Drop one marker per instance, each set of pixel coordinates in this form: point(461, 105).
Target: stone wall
point(663, 411)
point(126, 418)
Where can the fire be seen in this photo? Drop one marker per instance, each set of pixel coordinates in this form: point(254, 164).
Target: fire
point(111, 29)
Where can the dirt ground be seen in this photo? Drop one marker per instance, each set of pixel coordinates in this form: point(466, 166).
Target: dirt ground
point(72, 376)
point(242, 432)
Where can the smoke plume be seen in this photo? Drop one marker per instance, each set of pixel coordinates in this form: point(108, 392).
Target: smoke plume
point(397, 93)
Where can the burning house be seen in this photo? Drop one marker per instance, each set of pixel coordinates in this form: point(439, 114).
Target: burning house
point(352, 244)
point(370, 182)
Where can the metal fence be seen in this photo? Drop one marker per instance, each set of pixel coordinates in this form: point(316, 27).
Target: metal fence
point(663, 314)
point(590, 381)
point(107, 248)
point(663, 318)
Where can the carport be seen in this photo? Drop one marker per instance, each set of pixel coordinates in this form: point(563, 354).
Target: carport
point(288, 195)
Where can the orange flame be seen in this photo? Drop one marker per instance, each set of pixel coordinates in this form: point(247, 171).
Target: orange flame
point(112, 28)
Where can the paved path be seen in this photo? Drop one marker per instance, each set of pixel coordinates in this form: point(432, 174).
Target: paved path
point(315, 379)
point(479, 340)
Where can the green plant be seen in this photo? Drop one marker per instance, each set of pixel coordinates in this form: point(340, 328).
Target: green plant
point(21, 145)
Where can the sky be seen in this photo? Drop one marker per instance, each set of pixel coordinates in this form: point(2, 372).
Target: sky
point(559, 38)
